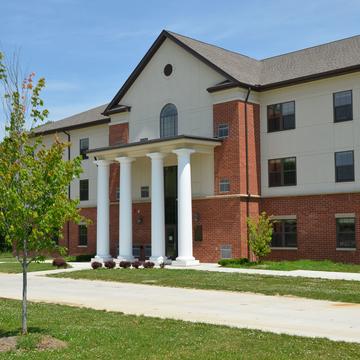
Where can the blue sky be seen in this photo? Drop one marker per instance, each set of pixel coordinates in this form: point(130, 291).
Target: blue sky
point(87, 48)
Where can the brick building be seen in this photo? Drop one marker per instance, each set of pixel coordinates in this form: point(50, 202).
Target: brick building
point(199, 138)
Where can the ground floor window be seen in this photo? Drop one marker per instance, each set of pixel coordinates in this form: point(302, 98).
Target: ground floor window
point(345, 233)
point(83, 235)
point(285, 234)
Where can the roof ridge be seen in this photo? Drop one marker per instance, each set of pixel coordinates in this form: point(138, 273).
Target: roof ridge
point(310, 47)
point(212, 45)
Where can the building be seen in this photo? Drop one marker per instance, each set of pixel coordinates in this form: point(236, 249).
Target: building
point(200, 138)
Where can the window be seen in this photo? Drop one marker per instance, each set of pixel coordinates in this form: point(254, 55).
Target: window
point(147, 250)
point(224, 185)
point(281, 116)
point(343, 106)
point(84, 190)
point(225, 252)
point(144, 191)
point(345, 233)
point(84, 147)
point(344, 166)
point(282, 172)
point(223, 131)
point(136, 251)
point(83, 235)
point(168, 121)
point(168, 69)
point(285, 234)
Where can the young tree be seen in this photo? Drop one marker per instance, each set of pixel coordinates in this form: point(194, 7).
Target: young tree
point(260, 234)
point(34, 179)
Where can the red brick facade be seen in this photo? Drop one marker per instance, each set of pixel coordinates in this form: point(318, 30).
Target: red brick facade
point(223, 216)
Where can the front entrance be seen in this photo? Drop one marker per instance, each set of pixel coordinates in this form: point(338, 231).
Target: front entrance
point(170, 184)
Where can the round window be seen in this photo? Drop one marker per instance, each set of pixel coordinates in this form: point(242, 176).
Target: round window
point(168, 69)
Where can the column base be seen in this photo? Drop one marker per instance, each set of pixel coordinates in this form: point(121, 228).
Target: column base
point(190, 261)
point(101, 258)
point(125, 258)
point(160, 259)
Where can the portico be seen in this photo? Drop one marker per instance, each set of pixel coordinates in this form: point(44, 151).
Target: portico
point(155, 151)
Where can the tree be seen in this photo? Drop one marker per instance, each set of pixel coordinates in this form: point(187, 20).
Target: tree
point(34, 179)
point(260, 235)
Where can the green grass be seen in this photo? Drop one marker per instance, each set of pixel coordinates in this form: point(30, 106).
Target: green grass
point(92, 334)
point(7, 257)
point(321, 265)
point(15, 267)
point(335, 290)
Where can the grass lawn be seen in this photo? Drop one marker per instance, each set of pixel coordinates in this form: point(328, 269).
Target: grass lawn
point(92, 334)
point(7, 257)
point(323, 265)
point(335, 290)
point(15, 267)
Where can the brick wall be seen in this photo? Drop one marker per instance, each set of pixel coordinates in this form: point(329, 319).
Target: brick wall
point(316, 225)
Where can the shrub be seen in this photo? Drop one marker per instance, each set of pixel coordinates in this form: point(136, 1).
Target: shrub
point(162, 265)
point(96, 265)
point(148, 265)
point(59, 263)
point(260, 235)
point(136, 264)
point(125, 264)
point(110, 264)
point(227, 262)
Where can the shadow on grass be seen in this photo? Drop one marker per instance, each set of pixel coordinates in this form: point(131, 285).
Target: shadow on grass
point(16, 332)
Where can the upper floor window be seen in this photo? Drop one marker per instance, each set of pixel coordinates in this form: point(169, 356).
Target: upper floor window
point(344, 166)
point(223, 131)
point(168, 121)
point(84, 147)
point(145, 193)
point(224, 185)
point(281, 116)
point(343, 110)
point(84, 189)
point(282, 172)
point(284, 234)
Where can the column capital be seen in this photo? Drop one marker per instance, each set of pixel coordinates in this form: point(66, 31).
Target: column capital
point(183, 152)
point(102, 162)
point(124, 160)
point(156, 155)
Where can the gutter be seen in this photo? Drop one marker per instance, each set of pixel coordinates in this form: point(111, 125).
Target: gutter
point(69, 187)
point(248, 195)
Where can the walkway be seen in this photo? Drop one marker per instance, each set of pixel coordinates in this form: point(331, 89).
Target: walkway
point(290, 315)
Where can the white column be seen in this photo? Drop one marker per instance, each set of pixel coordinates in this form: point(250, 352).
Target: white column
point(157, 208)
point(125, 210)
point(185, 238)
point(102, 228)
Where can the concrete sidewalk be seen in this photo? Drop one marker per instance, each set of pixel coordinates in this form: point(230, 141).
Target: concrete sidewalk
point(290, 315)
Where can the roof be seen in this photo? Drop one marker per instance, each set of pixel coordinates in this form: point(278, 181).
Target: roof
point(316, 62)
point(90, 117)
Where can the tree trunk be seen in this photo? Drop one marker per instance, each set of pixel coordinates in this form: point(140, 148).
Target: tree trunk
point(24, 298)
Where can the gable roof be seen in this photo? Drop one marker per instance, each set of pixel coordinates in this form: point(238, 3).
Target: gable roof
point(87, 118)
point(329, 59)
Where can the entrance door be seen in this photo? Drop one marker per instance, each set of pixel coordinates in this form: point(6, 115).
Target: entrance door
point(170, 184)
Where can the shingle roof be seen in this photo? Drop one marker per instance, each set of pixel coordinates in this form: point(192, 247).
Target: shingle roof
point(87, 118)
point(336, 55)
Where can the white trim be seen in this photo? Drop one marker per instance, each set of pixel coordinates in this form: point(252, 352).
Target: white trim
point(346, 249)
point(82, 246)
point(345, 215)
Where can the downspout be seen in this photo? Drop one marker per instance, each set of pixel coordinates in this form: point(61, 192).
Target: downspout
point(69, 188)
point(248, 195)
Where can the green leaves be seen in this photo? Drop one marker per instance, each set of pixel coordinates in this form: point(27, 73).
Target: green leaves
point(260, 235)
point(34, 178)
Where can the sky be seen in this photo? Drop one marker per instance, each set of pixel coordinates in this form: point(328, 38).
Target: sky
point(86, 49)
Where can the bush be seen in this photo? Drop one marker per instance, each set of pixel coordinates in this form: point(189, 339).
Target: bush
point(148, 265)
point(162, 265)
point(227, 262)
point(80, 258)
point(125, 264)
point(260, 235)
point(136, 264)
point(110, 264)
point(59, 263)
point(96, 265)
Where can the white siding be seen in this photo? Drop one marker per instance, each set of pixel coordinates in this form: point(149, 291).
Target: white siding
point(315, 138)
